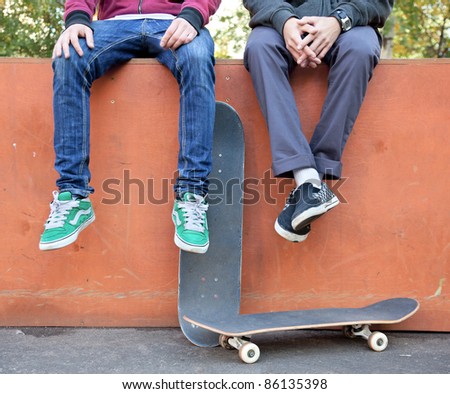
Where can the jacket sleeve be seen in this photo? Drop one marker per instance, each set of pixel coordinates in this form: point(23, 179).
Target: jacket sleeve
point(363, 13)
point(272, 13)
point(79, 11)
point(198, 12)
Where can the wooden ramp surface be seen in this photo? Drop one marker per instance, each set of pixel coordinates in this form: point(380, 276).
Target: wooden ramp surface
point(390, 237)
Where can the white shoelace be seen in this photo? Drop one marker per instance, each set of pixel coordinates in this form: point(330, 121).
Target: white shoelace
point(193, 213)
point(59, 210)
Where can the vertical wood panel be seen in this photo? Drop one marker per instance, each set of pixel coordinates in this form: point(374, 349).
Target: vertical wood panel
point(389, 238)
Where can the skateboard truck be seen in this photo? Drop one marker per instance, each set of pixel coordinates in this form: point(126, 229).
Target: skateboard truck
point(376, 340)
point(248, 351)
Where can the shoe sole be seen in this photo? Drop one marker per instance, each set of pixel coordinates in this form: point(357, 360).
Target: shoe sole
point(68, 240)
point(289, 235)
point(189, 247)
point(312, 214)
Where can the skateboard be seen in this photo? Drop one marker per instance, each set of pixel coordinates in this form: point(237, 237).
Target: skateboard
point(234, 331)
point(209, 284)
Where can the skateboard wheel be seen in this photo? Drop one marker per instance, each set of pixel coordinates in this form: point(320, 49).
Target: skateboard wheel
point(378, 341)
point(223, 341)
point(249, 353)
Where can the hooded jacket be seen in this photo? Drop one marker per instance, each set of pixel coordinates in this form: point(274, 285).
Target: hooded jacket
point(275, 13)
point(196, 12)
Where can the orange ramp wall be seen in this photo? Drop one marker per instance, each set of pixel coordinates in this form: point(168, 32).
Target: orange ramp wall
point(389, 237)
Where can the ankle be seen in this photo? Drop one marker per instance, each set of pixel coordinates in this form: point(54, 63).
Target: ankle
point(307, 175)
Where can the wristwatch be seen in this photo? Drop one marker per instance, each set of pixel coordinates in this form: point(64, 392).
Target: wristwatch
point(343, 19)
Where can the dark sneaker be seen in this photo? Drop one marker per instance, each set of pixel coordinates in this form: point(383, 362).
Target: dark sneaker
point(283, 223)
point(191, 227)
point(68, 216)
point(313, 202)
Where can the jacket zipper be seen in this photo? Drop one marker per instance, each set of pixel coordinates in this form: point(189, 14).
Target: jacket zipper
point(140, 7)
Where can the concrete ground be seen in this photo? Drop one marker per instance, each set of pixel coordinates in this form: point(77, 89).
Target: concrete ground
point(42, 350)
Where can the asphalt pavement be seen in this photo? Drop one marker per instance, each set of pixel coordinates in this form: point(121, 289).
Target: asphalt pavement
point(46, 350)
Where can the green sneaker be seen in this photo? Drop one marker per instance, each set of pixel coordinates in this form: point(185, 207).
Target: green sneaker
point(67, 218)
point(191, 227)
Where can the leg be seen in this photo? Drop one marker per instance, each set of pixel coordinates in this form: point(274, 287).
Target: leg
point(352, 61)
point(71, 210)
point(115, 43)
point(269, 64)
point(193, 67)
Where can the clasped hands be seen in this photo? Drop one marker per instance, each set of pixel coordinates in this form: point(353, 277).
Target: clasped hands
point(310, 38)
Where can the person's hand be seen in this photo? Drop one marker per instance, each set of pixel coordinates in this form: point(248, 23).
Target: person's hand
point(327, 30)
point(71, 36)
point(180, 32)
point(293, 31)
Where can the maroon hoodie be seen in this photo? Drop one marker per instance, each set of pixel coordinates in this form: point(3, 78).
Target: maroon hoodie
point(196, 12)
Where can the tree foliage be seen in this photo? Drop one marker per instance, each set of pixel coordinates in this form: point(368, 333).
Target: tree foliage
point(422, 28)
point(29, 28)
point(231, 32)
point(416, 28)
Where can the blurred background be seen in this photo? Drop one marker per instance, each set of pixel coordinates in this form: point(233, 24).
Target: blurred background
point(416, 29)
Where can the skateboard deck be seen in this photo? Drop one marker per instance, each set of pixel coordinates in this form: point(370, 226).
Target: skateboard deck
point(209, 284)
point(355, 321)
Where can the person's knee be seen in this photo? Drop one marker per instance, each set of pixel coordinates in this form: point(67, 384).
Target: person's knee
point(58, 64)
point(363, 50)
point(263, 42)
point(362, 46)
point(195, 63)
point(64, 67)
point(200, 50)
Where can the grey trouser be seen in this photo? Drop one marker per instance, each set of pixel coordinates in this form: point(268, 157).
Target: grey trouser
point(351, 61)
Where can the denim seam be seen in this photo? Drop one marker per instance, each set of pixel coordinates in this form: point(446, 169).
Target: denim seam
point(85, 128)
point(182, 111)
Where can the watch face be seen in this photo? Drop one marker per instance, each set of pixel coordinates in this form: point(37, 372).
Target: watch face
point(346, 23)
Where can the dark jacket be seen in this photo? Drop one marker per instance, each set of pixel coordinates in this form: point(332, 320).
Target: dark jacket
point(275, 13)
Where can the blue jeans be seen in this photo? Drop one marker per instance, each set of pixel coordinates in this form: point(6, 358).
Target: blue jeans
point(117, 41)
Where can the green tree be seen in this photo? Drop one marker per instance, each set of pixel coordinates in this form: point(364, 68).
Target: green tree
point(29, 28)
point(230, 32)
point(422, 29)
point(416, 29)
